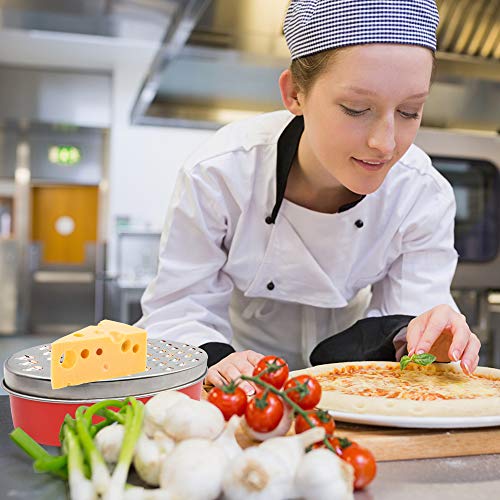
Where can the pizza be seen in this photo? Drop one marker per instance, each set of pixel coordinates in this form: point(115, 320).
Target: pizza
point(382, 388)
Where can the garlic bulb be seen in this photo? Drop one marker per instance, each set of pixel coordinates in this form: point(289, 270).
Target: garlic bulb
point(140, 493)
point(257, 474)
point(154, 411)
point(189, 419)
point(149, 456)
point(109, 442)
point(291, 449)
point(227, 439)
point(267, 471)
point(165, 443)
point(322, 475)
point(194, 470)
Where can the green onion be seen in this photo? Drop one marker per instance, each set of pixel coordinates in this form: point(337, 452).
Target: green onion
point(99, 470)
point(34, 450)
point(51, 464)
point(134, 416)
point(80, 487)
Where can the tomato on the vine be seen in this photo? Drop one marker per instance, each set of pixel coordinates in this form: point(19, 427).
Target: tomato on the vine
point(339, 444)
point(264, 412)
point(363, 462)
point(230, 399)
point(303, 390)
point(319, 418)
point(276, 370)
point(336, 443)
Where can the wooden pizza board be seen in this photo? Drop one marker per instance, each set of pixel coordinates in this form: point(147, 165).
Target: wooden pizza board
point(390, 443)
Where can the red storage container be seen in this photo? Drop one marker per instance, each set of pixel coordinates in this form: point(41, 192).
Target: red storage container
point(40, 410)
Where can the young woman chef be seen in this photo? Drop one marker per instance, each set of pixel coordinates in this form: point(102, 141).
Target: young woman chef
point(287, 228)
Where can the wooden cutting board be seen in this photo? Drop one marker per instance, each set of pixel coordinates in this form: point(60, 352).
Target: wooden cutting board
point(390, 443)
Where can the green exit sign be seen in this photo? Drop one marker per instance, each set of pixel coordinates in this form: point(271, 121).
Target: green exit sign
point(64, 155)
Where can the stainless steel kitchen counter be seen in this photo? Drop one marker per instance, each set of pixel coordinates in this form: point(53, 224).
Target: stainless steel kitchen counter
point(458, 478)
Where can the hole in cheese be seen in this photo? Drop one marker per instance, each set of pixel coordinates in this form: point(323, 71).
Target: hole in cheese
point(99, 351)
point(78, 334)
point(126, 346)
point(105, 367)
point(68, 359)
point(85, 353)
point(135, 348)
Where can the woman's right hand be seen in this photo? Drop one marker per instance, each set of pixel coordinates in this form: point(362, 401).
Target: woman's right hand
point(231, 367)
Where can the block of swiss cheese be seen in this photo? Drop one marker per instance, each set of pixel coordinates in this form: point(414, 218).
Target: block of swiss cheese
point(101, 352)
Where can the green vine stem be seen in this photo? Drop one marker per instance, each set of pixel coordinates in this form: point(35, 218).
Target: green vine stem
point(283, 395)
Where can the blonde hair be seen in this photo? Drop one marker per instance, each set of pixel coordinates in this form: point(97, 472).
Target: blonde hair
point(306, 70)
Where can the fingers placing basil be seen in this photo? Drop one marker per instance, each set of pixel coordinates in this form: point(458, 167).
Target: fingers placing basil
point(423, 359)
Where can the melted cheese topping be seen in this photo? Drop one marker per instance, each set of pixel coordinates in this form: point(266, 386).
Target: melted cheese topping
point(416, 382)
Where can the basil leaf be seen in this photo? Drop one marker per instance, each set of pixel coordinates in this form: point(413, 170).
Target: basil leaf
point(424, 359)
point(404, 361)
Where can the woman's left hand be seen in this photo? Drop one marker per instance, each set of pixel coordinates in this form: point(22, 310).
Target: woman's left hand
point(444, 332)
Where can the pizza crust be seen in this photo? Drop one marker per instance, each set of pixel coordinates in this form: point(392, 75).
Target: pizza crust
point(436, 375)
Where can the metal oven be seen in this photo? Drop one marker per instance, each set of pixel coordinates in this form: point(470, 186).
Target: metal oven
point(471, 163)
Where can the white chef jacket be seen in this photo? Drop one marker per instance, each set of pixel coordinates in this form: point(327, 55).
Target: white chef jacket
point(240, 265)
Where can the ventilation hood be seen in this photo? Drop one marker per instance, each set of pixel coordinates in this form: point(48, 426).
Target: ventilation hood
point(128, 19)
point(220, 60)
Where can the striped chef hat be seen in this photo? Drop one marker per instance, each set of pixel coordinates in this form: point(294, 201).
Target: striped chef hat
point(315, 25)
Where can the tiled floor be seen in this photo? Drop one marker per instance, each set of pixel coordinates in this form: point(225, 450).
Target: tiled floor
point(12, 344)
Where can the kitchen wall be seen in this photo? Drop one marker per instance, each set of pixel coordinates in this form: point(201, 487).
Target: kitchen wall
point(144, 161)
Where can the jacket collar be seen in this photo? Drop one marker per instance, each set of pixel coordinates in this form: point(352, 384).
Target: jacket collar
point(288, 144)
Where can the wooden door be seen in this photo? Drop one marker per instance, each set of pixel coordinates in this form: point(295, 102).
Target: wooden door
point(64, 219)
